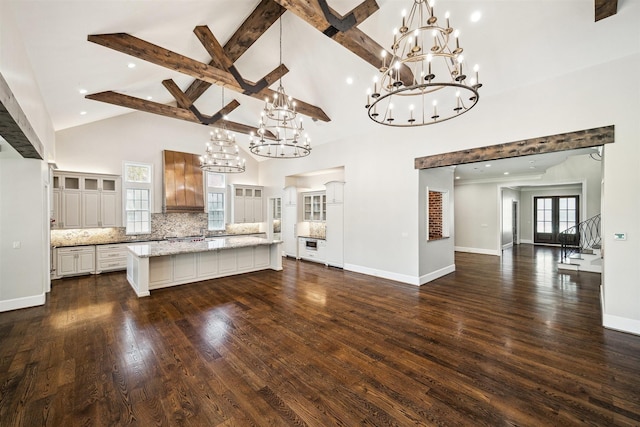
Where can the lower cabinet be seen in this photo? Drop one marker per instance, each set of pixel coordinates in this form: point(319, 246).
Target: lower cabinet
point(177, 269)
point(111, 257)
point(317, 254)
point(76, 260)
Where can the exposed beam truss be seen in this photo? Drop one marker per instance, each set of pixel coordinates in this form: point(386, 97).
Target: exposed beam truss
point(546, 144)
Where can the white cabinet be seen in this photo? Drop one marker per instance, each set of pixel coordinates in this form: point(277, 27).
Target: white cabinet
point(288, 230)
point(111, 257)
point(312, 249)
point(314, 206)
point(76, 260)
point(335, 191)
point(335, 224)
point(290, 196)
point(71, 209)
point(247, 204)
point(334, 233)
point(86, 200)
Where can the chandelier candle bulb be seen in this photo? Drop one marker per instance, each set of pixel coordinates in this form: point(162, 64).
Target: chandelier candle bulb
point(446, 16)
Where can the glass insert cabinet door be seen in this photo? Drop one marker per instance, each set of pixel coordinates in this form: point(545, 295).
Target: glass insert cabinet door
point(553, 215)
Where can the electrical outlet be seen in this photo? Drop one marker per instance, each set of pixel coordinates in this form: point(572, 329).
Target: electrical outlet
point(16, 245)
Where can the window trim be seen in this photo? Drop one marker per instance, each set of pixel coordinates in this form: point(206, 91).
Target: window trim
point(136, 186)
point(217, 190)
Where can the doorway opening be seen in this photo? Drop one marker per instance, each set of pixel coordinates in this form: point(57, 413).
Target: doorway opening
point(553, 215)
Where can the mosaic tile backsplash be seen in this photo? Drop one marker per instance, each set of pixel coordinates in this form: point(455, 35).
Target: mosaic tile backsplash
point(162, 226)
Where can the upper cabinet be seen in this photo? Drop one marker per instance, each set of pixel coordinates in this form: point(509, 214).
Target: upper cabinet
point(183, 182)
point(290, 196)
point(335, 191)
point(314, 206)
point(86, 200)
point(247, 206)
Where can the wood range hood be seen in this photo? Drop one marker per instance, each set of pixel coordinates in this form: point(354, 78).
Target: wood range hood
point(183, 185)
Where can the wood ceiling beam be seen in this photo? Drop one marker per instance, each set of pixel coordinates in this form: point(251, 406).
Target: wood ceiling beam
point(139, 48)
point(605, 8)
point(546, 144)
point(147, 106)
point(259, 21)
point(182, 100)
point(15, 127)
point(318, 14)
point(217, 53)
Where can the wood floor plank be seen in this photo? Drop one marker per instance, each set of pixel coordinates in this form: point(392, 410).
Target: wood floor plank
point(501, 341)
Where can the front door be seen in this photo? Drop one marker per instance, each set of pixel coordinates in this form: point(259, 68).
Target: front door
point(552, 215)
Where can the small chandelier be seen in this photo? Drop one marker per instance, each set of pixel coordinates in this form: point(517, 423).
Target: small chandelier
point(279, 117)
point(423, 82)
point(222, 153)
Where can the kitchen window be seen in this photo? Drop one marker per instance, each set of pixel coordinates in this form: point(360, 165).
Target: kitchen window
point(215, 201)
point(137, 194)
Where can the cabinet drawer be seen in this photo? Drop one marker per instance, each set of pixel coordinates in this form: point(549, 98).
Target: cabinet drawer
point(112, 264)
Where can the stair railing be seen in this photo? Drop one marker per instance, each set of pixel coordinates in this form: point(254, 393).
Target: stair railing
point(580, 237)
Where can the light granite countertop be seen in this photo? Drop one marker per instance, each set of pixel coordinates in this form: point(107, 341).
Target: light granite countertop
point(163, 248)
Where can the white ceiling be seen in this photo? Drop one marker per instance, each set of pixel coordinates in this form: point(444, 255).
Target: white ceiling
point(516, 43)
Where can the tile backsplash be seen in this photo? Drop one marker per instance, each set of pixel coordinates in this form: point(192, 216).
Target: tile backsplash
point(162, 226)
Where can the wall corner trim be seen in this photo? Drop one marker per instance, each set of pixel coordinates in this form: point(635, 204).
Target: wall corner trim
point(622, 324)
point(24, 302)
point(430, 277)
point(403, 278)
point(480, 251)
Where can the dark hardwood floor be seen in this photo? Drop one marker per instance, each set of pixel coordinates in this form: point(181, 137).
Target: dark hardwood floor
point(499, 342)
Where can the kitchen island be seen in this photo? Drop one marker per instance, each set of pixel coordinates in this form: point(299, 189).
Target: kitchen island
point(162, 264)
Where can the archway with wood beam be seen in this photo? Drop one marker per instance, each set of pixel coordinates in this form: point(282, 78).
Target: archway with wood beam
point(527, 147)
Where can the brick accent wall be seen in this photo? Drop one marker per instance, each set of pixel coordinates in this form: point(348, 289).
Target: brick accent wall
point(435, 215)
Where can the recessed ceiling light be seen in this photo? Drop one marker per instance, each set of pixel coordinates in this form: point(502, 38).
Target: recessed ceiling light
point(131, 65)
point(487, 166)
point(475, 16)
point(349, 80)
point(82, 113)
point(149, 97)
point(532, 167)
point(457, 177)
point(82, 91)
point(506, 173)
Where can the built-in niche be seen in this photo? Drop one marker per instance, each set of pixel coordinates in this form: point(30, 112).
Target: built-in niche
point(437, 215)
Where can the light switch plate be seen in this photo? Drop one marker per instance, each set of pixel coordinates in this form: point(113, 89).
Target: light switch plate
point(16, 245)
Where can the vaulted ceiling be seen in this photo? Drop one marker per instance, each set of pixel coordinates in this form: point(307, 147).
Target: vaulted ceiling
point(185, 51)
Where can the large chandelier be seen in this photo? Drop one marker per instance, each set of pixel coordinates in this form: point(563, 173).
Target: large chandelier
point(423, 82)
point(279, 118)
point(221, 152)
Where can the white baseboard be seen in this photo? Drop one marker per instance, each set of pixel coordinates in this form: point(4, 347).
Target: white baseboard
point(411, 280)
point(527, 241)
point(18, 303)
point(477, 251)
point(507, 246)
point(621, 324)
point(429, 277)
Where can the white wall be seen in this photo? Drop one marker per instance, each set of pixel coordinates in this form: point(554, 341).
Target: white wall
point(16, 69)
point(436, 256)
point(101, 147)
point(24, 211)
point(23, 215)
point(477, 218)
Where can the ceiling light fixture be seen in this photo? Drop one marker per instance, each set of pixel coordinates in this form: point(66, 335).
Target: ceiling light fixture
point(424, 81)
point(222, 154)
point(280, 118)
